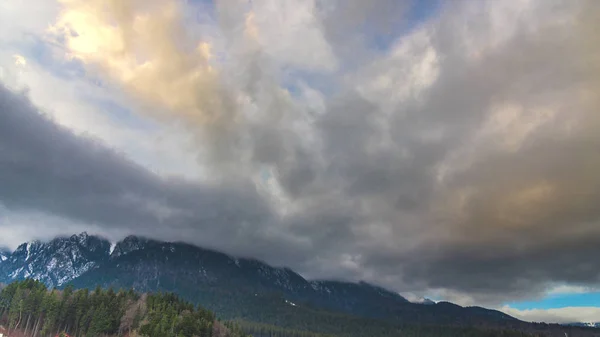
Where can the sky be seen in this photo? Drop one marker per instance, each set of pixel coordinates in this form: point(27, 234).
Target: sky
point(442, 149)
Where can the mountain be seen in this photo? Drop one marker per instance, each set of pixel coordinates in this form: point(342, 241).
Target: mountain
point(427, 301)
point(56, 262)
point(588, 324)
point(232, 287)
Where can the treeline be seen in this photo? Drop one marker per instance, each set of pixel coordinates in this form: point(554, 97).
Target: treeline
point(266, 330)
point(32, 309)
point(264, 315)
point(169, 316)
point(271, 313)
point(359, 328)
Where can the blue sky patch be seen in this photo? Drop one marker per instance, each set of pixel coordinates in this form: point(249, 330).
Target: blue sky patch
point(560, 301)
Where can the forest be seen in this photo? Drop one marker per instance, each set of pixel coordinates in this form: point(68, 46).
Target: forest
point(28, 308)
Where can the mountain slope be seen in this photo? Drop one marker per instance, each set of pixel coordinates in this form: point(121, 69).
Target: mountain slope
point(232, 287)
point(104, 313)
point(588, 325)
point(56, 262)
point(127, 313)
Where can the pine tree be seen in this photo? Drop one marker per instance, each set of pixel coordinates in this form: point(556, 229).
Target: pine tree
point(16, 309)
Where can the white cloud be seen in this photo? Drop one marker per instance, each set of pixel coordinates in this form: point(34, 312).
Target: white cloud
point(19, 20)
point(22, 226)
point(414, 298)
point(571, 289)
point(409, 69)
point(20, 60)
point(558, 315)
point(290, 33)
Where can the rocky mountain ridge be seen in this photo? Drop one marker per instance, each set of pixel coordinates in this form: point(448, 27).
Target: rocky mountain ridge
point(585, 324)
point(233, 287)
point(56, 262)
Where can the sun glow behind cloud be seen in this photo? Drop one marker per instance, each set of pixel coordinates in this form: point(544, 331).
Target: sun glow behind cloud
point(142, 46)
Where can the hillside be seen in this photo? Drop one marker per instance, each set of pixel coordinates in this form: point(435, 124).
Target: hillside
point(232, 287)
point(28, 308)
point(248, 291)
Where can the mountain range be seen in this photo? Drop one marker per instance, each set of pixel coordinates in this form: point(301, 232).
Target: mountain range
point(586, 324)
point(233, 287)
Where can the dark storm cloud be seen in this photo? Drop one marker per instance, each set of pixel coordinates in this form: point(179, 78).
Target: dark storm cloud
point(45, 167)
point(485, 183)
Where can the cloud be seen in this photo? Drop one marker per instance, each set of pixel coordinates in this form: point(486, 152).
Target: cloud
point(20, 61)
point(291, 34)
point(85, 104)
point(143, 47)
point(459, 159)
point(571, 289)
point(50, 173)
point(560, 315)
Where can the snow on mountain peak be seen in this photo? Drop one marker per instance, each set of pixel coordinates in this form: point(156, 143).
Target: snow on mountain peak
point(4, 254)
point(55, 262)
